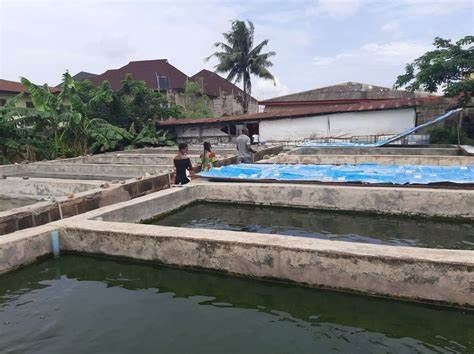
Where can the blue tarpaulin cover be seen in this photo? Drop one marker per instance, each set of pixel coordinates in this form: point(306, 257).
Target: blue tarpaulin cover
point(339, 144)
point(387, 141)
point(364, 173)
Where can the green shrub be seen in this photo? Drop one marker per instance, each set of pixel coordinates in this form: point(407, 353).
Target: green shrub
point(448, 135)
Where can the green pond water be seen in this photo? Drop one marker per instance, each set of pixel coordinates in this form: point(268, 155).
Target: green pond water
point(399, 231)
point(11, 203)
point(90, 305)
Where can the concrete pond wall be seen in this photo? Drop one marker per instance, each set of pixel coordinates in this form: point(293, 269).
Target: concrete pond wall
point(226, 149)
point(386, 150)
point(17, 187)
point(416, 274)
point(105, 220)
point(47, 211)
point(82, 171)
point(326, 159)
point(80, 184)
point(444, 276)
point(131, 159)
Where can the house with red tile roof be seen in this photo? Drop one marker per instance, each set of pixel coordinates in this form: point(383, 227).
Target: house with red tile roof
point(9, 89)
point(225, 98)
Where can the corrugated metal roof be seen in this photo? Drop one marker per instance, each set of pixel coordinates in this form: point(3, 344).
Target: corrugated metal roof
point(345, 91)
point(300, 112)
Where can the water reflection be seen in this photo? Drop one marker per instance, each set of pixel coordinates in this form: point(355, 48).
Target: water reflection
point(378, 229)
point(113, 299)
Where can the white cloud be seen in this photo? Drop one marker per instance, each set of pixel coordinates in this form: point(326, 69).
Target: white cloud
point(397, 52)
point(264, 89)
point(371, 63)
point(392, 27)
point(40, 39)
point(322, 61)
point(420, 9)
point(339, 9)
point(435, 7)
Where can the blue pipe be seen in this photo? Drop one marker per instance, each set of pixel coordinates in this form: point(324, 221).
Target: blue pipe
point(55, 242)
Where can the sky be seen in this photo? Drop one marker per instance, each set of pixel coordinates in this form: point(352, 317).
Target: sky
point(318, 43)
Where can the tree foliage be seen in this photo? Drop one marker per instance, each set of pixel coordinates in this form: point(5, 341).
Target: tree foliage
point(449, 135)
point(139, 105)
point(134, 104)
point(239, 58)
point(80, 119)
point(450, 67)
point(195, 103)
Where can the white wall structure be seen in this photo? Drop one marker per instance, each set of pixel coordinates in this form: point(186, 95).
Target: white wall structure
point(196, 134)
point(338, 125)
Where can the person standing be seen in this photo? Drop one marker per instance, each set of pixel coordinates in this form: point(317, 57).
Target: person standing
point(244, 147)
point(208, 157)
point(182, 163)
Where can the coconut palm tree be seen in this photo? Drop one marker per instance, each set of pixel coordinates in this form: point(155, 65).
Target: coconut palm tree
point(239, 58)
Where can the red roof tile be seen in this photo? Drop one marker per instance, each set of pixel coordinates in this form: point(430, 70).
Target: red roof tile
point(11, 86)
point(300, 112)
point(17, 87)
point(144, 70)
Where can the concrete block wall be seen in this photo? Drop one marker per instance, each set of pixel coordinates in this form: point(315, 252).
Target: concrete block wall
point(440, 276)
point(45, 212)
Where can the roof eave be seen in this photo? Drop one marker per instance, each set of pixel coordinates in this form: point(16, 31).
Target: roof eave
point(279, 115)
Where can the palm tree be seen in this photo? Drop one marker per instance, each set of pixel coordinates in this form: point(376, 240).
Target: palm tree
point(239, 58)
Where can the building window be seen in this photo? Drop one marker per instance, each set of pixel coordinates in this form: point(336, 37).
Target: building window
point(3, 102)
point(163, 83)
point(29, 104)
point(230, 129)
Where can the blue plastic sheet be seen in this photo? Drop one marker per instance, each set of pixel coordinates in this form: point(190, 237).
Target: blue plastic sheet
point(339, 144)
point(386, 141)
point(363, 173)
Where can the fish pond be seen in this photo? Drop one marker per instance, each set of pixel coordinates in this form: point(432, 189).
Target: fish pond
point(78, 305)
point(7, 203)
point(331, 225)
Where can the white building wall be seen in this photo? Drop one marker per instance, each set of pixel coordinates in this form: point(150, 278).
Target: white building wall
point(200, 131)
point(293, 128)
point(341, 125)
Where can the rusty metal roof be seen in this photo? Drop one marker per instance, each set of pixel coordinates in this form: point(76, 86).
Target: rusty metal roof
point(297, 112)
point(345, 91)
